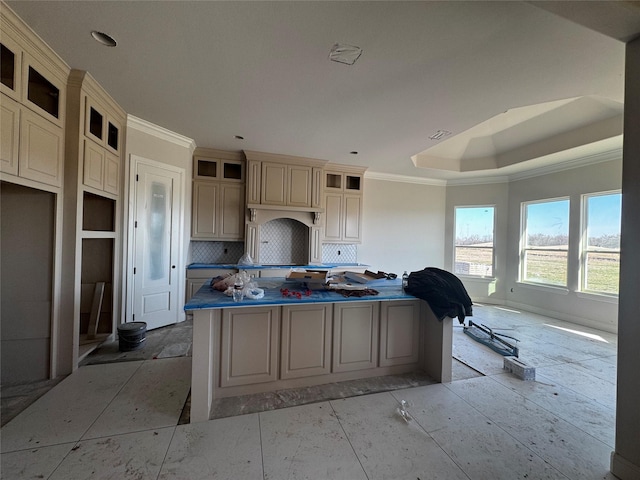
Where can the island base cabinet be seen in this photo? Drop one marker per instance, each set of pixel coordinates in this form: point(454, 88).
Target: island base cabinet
point(399, 333)
point(306, 340)
point(355, 336)
point(249, 351)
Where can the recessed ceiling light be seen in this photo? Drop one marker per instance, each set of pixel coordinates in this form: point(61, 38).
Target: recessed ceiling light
point(239, 137)
point(342, 53)
point(440, 134)
point(103, 38)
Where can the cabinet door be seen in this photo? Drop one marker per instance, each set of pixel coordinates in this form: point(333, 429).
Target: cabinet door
point(205, 202)
point(9, 142)
point(112, 174)
point(194, 285)
point(249, 345)
point(306, 340)
point(352, 218)
point(399, 332)
point(93, 165)
point(355, 336)
point(41, 149)
point(299, 186)
point(333, 217)
point(274, 184)
point(231, 217)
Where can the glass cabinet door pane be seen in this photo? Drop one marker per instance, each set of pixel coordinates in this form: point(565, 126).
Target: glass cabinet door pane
point(8, 67)
point(207, 168)
point(112, 136)
point(43, 93)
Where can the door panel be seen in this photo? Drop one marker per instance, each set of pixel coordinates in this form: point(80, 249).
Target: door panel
point(156, 246)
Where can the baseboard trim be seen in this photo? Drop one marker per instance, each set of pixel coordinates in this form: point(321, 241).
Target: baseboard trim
point(623, 468)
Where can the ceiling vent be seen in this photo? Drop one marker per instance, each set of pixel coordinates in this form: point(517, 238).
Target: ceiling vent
point(440, 134)
point(347, 54)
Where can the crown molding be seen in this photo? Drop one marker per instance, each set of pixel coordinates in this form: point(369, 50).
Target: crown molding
point(390, 177)
point(160, 132)
point(478, 180)
point(582, 161)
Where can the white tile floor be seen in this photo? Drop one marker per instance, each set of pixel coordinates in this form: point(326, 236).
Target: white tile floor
point(119, 421)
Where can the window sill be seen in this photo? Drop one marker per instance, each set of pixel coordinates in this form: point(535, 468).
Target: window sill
point(545, 288)
point(598, 297)
point(476, 278)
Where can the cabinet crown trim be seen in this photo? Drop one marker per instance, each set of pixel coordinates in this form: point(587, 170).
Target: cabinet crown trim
point(288, 159)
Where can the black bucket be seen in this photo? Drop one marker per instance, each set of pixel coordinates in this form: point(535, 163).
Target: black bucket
point(132, 336)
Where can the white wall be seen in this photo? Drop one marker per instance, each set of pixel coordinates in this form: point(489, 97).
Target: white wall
point(496, 194)
point(568, 304)
point(403, 226)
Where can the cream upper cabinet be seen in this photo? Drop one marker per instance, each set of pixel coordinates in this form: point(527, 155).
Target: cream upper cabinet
point(343, 188)
point(33, 104)
point(289, 185)
point(281, 180)
point(218, 211)
point(9, 142)
point(96, 136)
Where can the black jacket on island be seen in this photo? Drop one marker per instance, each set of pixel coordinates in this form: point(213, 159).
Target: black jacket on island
point(443, 291)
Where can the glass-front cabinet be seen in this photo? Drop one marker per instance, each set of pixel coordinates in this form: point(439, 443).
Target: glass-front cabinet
point(218, 210)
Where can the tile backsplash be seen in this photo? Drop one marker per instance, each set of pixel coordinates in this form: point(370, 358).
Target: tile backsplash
point(282, 242)
point(216, 252)
point(339, 253)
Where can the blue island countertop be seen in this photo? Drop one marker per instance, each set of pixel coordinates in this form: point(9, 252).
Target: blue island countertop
point(207, 297)
point(231, 266)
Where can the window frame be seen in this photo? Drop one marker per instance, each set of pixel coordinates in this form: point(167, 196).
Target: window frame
point(493, 240)
point(584, 244)
point(524, 248)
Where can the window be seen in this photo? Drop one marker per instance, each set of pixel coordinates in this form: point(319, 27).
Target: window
point(473, 253)
point(545, 239)
point(600, 259)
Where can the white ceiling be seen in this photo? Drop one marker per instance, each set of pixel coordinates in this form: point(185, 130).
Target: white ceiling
point(512, 81)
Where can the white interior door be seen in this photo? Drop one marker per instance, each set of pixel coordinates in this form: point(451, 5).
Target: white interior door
point(156, 246)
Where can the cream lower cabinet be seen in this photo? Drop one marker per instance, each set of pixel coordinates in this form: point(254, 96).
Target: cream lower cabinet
point(399, 333)
point(249, 350)
point(306, 340)
point(197, 277)
point(355, 336)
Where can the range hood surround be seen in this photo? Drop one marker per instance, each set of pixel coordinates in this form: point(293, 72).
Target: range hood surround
point(258, 215)
point(276, 187)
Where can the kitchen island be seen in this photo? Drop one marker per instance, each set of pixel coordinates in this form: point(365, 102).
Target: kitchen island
point(295, 337)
